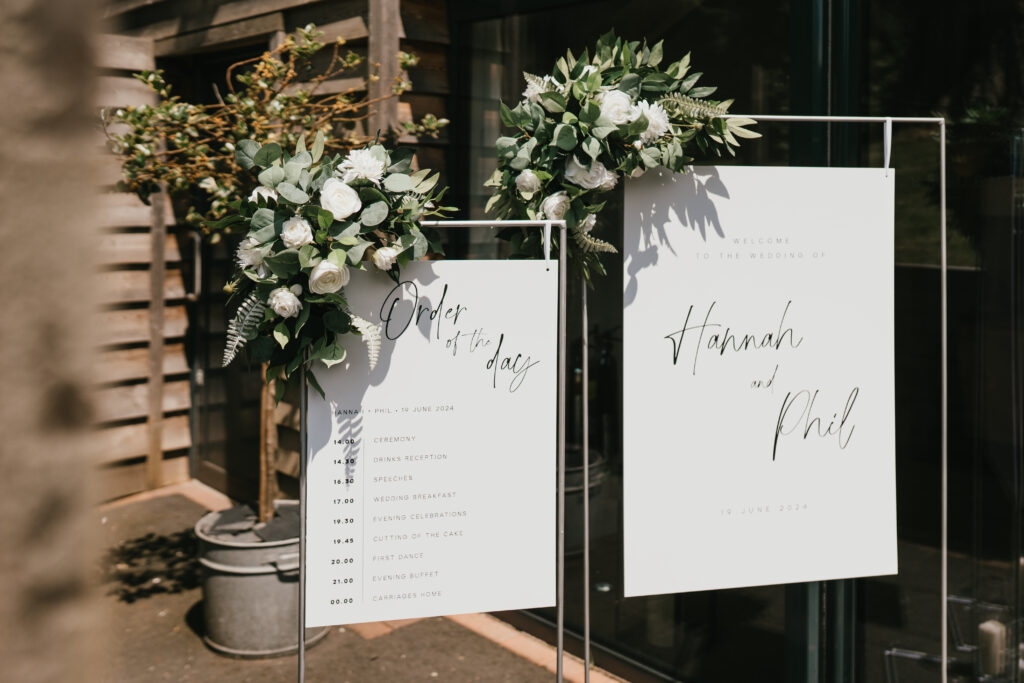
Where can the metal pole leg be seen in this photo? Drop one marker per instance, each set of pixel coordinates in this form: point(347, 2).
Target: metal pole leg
point(304, 448)
point(586, 490)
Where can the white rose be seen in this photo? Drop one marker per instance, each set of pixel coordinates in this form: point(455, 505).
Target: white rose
point(598, 176)
point(609, 181)
point(588, 222)
point(385, 257)
point(296, 232)
point(264, 192)
point(285, 303)
point(657, 119)
point(249, 253)
point(554, 206)
point(527, 182)
point(327, 278)
point(616, 106)
point(340, 199)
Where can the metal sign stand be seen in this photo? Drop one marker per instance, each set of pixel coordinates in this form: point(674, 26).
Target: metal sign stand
point(887, 122)
point(546, 225)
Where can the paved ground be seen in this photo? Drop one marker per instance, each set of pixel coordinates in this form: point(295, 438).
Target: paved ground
point(153, 600)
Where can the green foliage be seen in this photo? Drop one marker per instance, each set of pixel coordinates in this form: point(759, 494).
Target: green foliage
point(354, 211)
point(593, 120)
point(202, 152)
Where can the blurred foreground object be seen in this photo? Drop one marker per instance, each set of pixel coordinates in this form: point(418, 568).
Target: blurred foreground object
point(46, 74)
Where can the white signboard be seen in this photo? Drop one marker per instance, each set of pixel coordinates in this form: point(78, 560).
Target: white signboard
point(431, 479)
point(758, 381)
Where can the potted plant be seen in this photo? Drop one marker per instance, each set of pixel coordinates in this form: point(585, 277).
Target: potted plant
point(226, 185)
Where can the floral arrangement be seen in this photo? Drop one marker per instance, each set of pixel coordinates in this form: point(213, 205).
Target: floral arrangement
point(311, 220)
point(280, 96)
point(593, 120)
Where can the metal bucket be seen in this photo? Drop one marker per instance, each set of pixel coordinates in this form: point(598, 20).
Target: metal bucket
point(250, 594)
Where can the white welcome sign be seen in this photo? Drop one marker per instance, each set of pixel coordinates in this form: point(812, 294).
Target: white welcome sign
point(758, 380)
point(431, 479)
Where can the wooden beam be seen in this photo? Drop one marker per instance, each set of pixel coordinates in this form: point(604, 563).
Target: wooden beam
point(131, 402)
point(124, 52)
point(123, 91)
point(134, 286)
point(217, 36)
point(125, 210)
point(132, 441)
point(385, 30)
point(157, 275)
point(131, 326)
point(133, 248)
point(331, 87)
point(125, 365)
point(123, 480)
point(197, 15)
point(353, 28)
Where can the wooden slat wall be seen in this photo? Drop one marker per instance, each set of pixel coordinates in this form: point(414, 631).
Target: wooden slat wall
point(376, 28)
point(143, 399)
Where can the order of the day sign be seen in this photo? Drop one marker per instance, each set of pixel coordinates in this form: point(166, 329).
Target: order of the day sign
point(758, 378)
point(431, 478)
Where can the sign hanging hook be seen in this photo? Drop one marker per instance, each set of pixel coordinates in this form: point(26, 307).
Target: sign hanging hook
point(547, 245)
point(887, 143)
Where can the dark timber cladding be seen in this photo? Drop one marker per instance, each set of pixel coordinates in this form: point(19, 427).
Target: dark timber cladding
point(144, 433)
point(203, 29)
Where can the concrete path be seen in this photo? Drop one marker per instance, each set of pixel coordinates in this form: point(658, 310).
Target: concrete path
point(152, 599)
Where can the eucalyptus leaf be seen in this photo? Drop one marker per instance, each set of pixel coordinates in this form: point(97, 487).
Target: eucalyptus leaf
point(263, 225)
point(355, 254)
point(245, 151)
point(267, 155)
point(374, 214)
point(318, 146)
point(309, 256)
point(398, 182)
point(338, 256)
point(281, 335)
point(324, 218)
point(292, 193)
point(270, 177)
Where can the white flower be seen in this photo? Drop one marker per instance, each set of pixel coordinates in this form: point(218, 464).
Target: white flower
point(326, 278)
point(264, 192)
point(340, 199)
point(588, 222)
point(527, 182)
point(208, 184)
point(385, 257)
point(284, 302)
point(296, 232)
point(587, 70)
point(616, 106)
point(657, 119)
point(610, 180)
point(554, 206)
point(361, 163)
point(597, 177)
point(249, 253)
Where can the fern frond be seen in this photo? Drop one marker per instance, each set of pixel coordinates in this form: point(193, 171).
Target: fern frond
point(591, 245)
point(536, 81)
point(371, 337)
point(243, 326)
point(685, 107)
